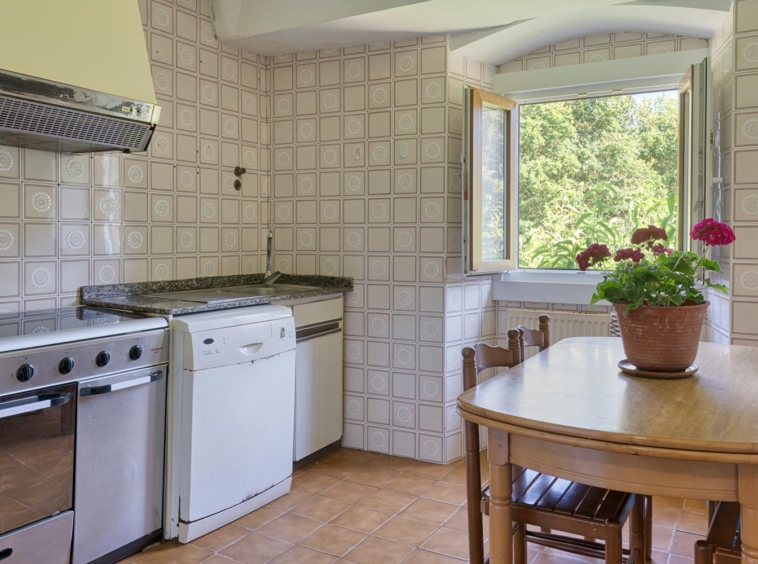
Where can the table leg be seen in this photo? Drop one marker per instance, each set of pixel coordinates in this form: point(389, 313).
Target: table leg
point(501, 486)
point(747, 493)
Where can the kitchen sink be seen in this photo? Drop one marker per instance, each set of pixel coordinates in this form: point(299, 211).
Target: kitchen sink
point(234, 293)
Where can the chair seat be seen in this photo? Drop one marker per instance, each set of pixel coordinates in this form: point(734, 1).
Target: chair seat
point(534, 491)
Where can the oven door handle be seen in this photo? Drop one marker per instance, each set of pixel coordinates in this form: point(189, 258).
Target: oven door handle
point(33, 403)
point(107, 388)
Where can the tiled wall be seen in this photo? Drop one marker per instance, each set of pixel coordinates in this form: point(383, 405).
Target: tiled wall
point(602, 47)
point(735, 188)
point(366, 183)
point(69, 221)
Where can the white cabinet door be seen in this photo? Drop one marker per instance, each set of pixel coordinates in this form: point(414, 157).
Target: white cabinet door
point(318, 394)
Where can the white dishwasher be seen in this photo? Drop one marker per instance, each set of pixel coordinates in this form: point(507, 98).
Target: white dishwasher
point(231, 426)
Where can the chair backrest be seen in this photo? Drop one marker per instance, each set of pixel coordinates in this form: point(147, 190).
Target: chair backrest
point(535, 337)
point(475, 360)
point(484, 356)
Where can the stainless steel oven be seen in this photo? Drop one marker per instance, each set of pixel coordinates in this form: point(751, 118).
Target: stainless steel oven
point(37, 475)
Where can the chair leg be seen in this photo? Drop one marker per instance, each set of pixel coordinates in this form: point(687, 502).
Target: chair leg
point(613, 544)
point(519, 545)
point(703, 552)
point(637, 537)
point(648, 528)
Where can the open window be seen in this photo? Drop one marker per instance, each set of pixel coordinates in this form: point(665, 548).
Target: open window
point(547, 172)
point(489, 183)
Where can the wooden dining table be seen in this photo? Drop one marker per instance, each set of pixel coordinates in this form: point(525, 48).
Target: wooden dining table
point(570, 412)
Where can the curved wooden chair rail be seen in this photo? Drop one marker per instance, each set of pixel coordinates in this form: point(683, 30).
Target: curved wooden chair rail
point(544, 501)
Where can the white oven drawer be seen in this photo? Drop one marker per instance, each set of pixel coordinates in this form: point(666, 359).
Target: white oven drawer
point(47, 541)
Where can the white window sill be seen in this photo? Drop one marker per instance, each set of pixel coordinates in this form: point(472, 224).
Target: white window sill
point(560, 287)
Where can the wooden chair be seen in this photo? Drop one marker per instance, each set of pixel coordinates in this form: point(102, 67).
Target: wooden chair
point(722, 545)
point(544, 501)
point(540, 338)
point(535, 337)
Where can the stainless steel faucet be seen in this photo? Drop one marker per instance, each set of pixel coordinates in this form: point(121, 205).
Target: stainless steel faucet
point(268, 280)
point(269, 240)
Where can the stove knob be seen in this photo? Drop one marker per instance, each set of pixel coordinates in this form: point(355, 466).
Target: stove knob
point(135, 352)
point(66, 365)
point(102, 358)
point(25, 373)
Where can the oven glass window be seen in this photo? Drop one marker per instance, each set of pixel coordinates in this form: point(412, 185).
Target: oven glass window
point(36, 455)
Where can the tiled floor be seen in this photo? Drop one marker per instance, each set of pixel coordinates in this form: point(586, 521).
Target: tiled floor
point(363, 508)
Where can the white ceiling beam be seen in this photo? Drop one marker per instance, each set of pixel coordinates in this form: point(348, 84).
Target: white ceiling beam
point(234, 19)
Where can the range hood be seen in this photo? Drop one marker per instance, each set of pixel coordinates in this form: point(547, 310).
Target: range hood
point(75, 76)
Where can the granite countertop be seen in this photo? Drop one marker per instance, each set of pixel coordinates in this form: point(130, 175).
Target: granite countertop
point(137, 296)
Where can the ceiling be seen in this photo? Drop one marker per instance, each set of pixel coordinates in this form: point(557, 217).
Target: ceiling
point(491, 31)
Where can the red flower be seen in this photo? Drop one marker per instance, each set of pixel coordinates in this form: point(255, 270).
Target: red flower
point(634, 255)
point(596, 253)
point(712, 233)
point(660, 249)
point(649, 233)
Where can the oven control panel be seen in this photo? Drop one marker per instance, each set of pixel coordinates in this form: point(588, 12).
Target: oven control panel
point(71, 362)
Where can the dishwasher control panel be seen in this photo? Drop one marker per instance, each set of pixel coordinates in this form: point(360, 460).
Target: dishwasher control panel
point(225, 346)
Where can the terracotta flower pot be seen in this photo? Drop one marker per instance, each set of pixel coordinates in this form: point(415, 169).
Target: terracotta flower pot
point(662, 339)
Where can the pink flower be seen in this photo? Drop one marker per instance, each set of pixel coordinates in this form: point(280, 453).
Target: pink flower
point(660, 249)
point(634, 255)
point(596, 253)
point(712, 232)
point(649, 233)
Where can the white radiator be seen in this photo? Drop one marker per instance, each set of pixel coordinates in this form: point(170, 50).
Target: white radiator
point(562, 324)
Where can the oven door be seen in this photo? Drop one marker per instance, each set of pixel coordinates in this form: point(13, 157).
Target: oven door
point(36, 456)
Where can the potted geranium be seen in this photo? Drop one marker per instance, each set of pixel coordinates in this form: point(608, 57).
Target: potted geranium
point(657, 296)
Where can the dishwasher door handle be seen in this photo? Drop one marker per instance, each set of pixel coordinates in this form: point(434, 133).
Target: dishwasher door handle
point(107, 388)
point(34, 403)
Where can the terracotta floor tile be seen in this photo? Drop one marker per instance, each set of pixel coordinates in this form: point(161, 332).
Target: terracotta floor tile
point(684, 544)
point(358, 456)
point(675, 502)
point(362, 519)
point(406, 531)
point(449, 493)
point(378, 551)
point(428, 510)
point(456, 476)
point(557, 557)
point(220, 538)
point(674, 559)
point(660, 557)
point(333, 539)
point(409, 484)
point(313, 483)
point(448, 542)
point(174, 553)
point(218, 559)
point(290, 527)
point(426, 557)
point(337, 468)
point(290, 500)
point(692, 522)
point(389, 502)
point(662, 537)
point(665, 515)
point(258, 517)
point(696, 505)
point(348, 492)
point(370, 476)
point(301, 555)
point(429, 470)
point(255, 549)
point(396, 463)
point(321, 508)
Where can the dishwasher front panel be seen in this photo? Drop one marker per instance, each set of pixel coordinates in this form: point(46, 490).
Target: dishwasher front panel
point(120, 452)
point(237, 434)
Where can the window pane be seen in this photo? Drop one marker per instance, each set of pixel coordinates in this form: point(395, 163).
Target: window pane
point(594, 170)
point(493, 183)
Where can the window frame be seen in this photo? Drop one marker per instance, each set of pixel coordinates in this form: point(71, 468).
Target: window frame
point(475, 100)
